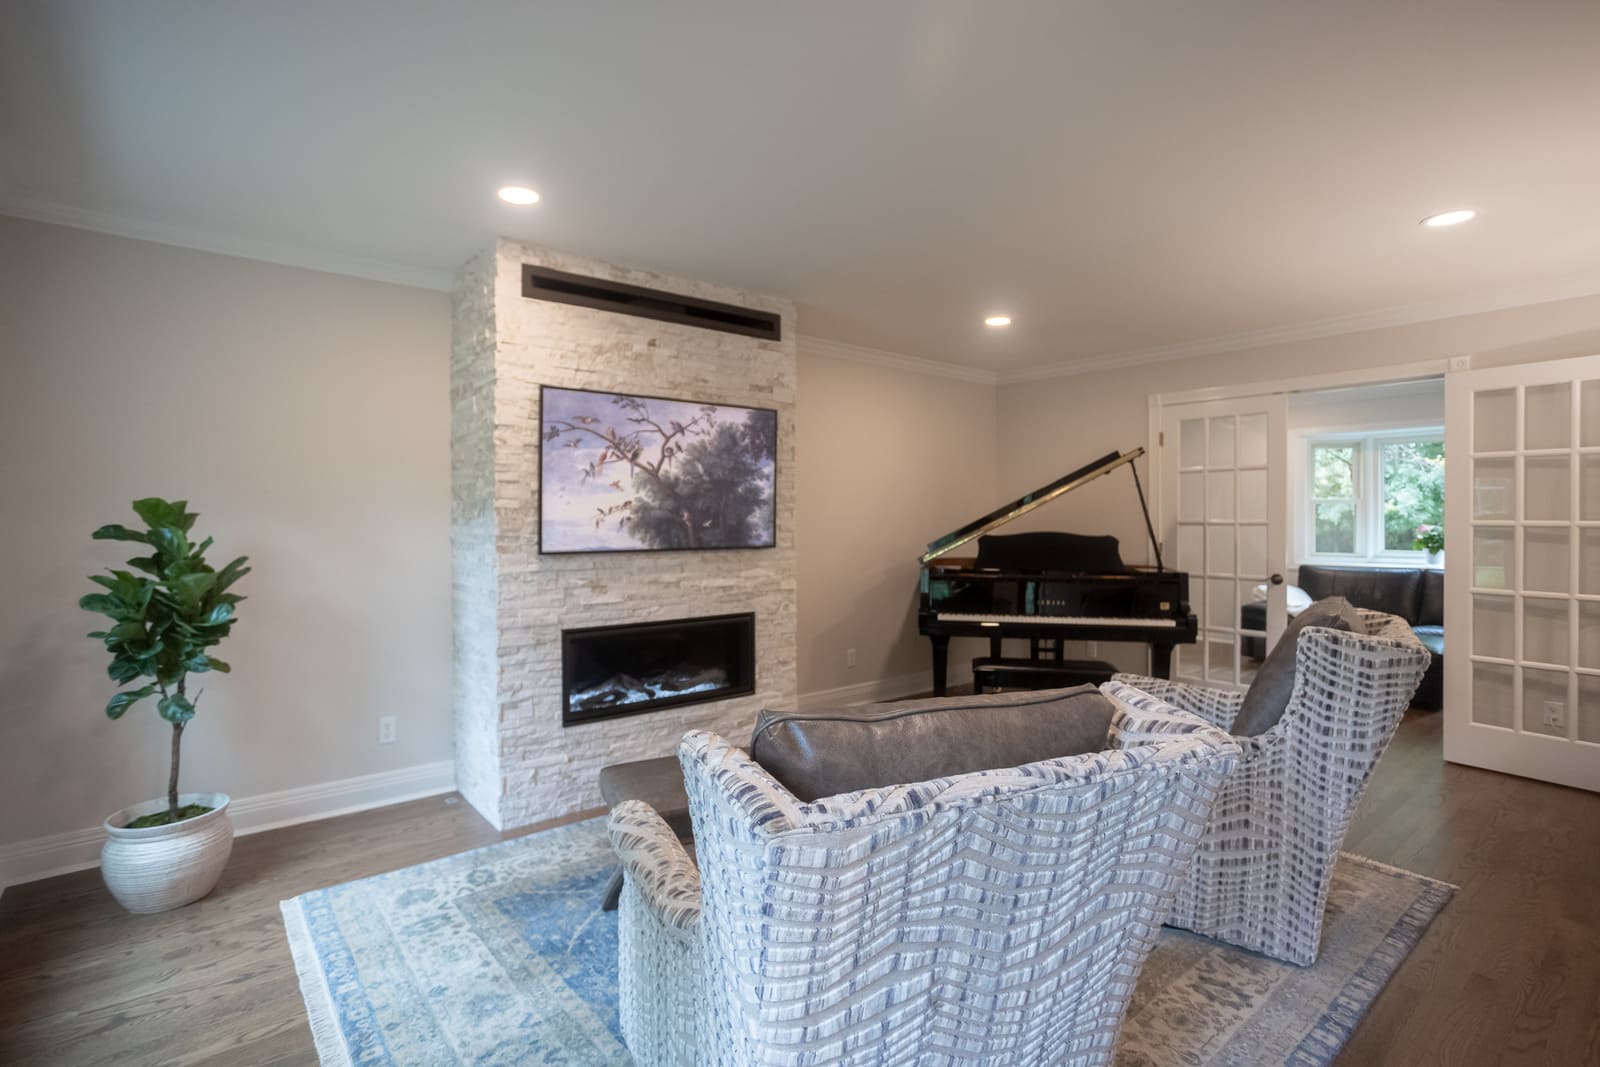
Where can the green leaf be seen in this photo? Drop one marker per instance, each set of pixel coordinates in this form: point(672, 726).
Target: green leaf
point(104, 604)
point(129, 631)
point(123, 670)
point(231, 573)
point(219, 614)
point(200, 549)
point(117, 532)
point(176, 708)
point(192, 588)
point(218, 665)
point(157, 512)
point(171, 545)
point(121, 702)
point(148, 564)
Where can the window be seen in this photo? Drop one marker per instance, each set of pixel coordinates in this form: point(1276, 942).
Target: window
point(1370, 494)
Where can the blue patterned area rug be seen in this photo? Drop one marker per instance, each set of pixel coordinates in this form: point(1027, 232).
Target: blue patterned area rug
point(502, 956)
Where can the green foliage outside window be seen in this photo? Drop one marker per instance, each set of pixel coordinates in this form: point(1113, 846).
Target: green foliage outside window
point(1333, 487)
point(1351, 481)
point(1413, 491)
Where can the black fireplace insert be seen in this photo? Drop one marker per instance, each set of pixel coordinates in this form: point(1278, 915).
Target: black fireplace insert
point(608, 671)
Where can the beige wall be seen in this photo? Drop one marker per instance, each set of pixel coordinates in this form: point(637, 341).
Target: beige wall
point(888, 460)
point(1048, 427)
point(306, 417)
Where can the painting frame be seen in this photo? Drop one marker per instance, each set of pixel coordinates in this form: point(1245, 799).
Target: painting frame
point(664, 429)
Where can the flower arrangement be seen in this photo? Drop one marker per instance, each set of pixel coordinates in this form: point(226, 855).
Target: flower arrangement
point(1430, 539)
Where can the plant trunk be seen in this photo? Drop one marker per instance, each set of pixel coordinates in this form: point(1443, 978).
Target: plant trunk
point(172, 781)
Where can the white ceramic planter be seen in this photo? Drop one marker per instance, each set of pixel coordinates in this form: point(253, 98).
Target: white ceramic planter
point(164, 867)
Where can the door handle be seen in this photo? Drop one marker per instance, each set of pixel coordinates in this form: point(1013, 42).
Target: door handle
point(1276, 579)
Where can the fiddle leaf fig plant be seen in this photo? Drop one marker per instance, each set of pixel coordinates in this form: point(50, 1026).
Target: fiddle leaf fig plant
point(167, 611)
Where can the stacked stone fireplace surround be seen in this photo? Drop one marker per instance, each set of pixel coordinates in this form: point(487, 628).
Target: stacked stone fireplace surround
point(515, 762)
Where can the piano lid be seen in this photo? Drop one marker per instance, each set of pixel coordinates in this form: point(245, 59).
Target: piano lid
point(1021, 506)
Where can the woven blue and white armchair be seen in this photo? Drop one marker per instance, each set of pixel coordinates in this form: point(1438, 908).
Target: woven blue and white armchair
point(994, 917)
point(1261, 874)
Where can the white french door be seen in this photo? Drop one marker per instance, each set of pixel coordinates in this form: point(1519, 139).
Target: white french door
point(1222, 521)
point(1522, 590)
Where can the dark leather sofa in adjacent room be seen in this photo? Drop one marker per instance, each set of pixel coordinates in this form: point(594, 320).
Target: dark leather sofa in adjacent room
point(1417, 596)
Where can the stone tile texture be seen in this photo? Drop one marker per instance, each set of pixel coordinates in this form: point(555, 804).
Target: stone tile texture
point(514, 761)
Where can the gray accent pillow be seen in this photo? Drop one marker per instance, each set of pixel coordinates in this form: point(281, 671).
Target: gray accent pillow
point(823, 753)
point(1268, 696)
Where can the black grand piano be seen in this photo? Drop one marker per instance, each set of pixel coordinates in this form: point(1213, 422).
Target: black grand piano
point(1049, 587)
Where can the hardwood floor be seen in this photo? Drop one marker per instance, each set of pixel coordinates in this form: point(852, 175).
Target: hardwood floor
point(1508, 974)
point(82, 982)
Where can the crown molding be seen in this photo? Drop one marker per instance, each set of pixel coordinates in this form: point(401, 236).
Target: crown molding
point(1406, 315)
point(242, 247)
point(878, 357)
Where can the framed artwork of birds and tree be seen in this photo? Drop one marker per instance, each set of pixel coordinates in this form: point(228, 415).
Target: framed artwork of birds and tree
point(624, 473)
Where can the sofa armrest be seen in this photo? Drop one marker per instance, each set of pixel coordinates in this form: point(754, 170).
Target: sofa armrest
point(656, 863)
point(1219, 707)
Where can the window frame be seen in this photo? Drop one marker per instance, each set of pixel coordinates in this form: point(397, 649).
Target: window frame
point(1367, 468)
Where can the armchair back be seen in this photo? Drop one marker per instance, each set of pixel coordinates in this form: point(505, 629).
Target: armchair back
point(997, 916)
point(1260, 876)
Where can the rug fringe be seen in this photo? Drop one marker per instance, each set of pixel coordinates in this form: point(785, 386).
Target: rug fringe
point(1367, 861)
point(325, 1030)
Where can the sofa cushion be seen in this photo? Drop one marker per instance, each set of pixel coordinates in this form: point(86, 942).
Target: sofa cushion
point(1432, 638)
point(1396, 592)
point(826, 752)
point(1268, 696)
point(1430, 608)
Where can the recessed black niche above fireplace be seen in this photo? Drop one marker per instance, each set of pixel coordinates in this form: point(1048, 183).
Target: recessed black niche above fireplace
point(607, 671)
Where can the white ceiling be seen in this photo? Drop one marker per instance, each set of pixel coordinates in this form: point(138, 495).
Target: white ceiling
point(1118, 176)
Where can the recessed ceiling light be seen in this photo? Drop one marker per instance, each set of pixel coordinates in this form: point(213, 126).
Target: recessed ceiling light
point(997, 320)
point(520, 195)
point(1450, 218)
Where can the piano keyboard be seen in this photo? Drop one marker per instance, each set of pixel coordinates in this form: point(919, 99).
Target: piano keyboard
point(1059, 620)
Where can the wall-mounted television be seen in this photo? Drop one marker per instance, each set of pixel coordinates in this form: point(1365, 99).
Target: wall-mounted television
point(626, 473)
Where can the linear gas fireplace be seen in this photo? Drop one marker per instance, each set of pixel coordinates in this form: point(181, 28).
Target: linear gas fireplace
point(608, 671)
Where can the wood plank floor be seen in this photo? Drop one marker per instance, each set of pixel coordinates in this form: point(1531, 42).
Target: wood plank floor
point(1508, 974)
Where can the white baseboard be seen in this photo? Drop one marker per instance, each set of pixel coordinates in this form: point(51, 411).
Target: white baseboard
point(77, 850)
point(901, 685)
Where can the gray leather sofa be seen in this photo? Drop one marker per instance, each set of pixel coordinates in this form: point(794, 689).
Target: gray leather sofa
point(1417, 596)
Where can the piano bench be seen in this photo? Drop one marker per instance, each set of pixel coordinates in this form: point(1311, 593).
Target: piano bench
point(1000, 673)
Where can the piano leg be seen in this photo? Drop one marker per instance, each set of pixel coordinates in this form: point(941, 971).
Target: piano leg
point(941, 661)
point(1161, 661)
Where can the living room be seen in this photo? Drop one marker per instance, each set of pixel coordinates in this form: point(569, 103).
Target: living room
point(254, 260)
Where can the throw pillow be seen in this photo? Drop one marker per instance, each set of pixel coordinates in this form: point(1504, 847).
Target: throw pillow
point(825, 752)
point(1268, 696)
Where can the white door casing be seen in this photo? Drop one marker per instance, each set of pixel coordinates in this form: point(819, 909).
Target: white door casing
point(1223, 517)
point(1522, 589)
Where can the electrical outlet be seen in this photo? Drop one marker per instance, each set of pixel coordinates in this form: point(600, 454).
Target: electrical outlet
point(850, 657)
point(387, 729)
point(1555, 715)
